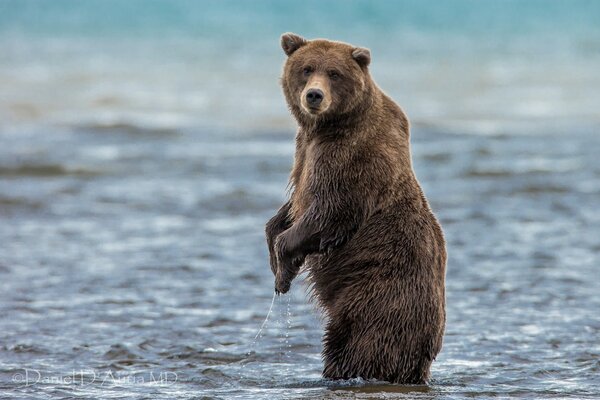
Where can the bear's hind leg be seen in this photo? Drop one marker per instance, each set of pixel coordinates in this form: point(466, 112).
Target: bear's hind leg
point(335, 357)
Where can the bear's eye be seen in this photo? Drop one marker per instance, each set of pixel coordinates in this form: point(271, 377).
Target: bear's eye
point(334, 75)
point(307, 71)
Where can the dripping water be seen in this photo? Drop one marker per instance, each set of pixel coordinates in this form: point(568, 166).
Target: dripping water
point(288, 328)
point(258, 335)
point(266, 318)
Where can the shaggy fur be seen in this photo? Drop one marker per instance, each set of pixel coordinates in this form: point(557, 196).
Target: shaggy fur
point(358, 221)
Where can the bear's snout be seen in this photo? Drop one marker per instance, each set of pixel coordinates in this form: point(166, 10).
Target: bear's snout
point(314, 97)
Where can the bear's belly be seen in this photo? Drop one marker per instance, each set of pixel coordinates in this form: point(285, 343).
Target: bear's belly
point(389, 247)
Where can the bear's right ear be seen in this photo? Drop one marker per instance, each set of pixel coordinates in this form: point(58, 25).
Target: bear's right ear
point(290, 42)
point(362, 56)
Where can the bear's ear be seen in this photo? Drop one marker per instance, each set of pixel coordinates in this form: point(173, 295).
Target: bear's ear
point(362, 56)
point(290, 42)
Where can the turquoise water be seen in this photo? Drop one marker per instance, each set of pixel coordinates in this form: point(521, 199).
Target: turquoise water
point(145, 143)
point(229, 20)
point(477, 65)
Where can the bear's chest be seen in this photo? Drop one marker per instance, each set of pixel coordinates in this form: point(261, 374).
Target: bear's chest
point(306, 179)
point(322, 168)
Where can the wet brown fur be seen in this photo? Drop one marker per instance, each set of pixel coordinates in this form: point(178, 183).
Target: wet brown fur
point(358, 221)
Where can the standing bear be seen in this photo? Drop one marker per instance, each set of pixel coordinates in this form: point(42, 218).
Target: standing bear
point(357, 220)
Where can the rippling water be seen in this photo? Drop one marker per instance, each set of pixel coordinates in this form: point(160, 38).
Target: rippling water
point(132, 253)
point(138, 166)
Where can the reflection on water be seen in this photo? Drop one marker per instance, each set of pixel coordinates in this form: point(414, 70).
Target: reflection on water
point(141, 157)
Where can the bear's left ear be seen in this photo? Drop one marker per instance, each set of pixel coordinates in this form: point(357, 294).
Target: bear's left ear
point(362, 56)
point(290, 42)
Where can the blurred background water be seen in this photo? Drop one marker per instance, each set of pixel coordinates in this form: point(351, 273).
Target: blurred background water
point(145, 143)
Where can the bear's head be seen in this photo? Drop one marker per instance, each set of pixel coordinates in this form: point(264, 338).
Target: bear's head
point(324, 79)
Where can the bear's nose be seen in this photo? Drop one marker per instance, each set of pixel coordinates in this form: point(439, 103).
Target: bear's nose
point(314, 97)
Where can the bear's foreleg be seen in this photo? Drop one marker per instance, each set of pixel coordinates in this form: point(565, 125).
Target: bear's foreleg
point(279, 223)
point(312, 233)
point(291, 248)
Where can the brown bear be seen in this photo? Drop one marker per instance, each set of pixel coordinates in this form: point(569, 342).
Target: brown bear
point(357, 220)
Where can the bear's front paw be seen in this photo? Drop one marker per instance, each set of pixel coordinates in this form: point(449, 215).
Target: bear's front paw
point(287, 265)
point(282, 285)
point(328, 246)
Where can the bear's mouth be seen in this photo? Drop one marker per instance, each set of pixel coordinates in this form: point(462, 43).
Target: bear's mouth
point(313, 110)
